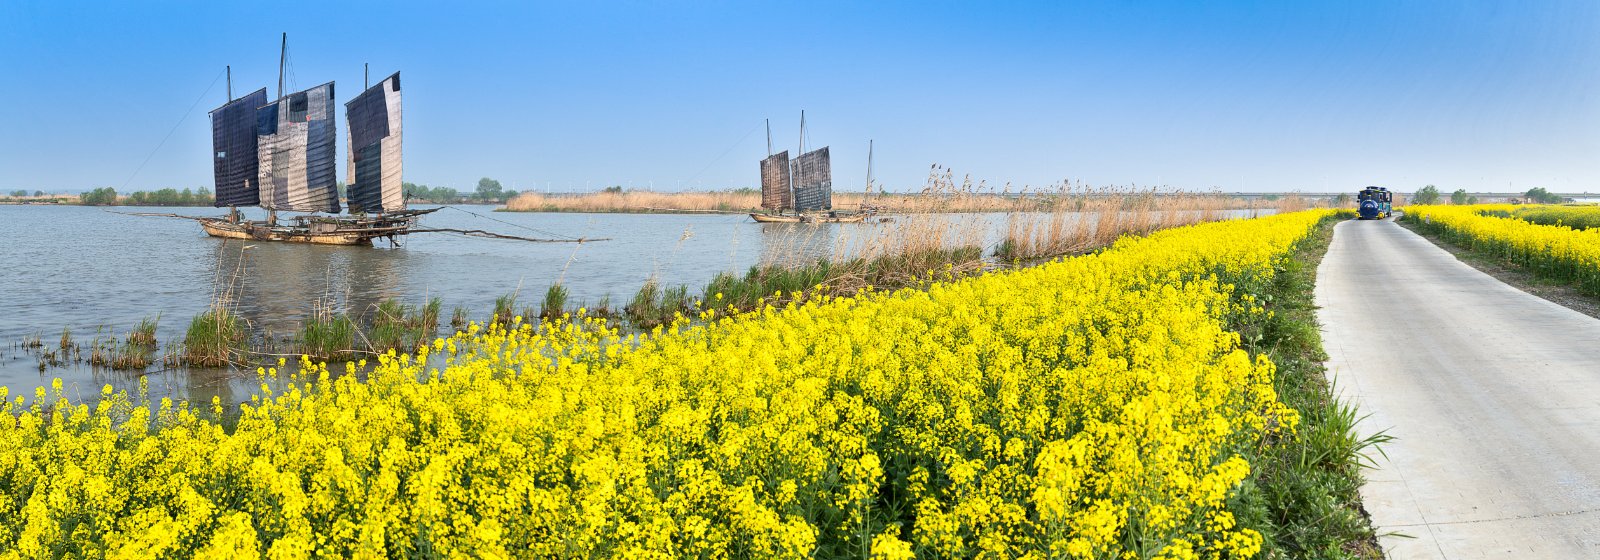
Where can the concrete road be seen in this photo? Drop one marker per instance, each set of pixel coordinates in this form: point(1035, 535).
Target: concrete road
point(1493, 396)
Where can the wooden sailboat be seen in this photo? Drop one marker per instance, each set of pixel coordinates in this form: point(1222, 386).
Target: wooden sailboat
point(280, 156)
point(800, 191)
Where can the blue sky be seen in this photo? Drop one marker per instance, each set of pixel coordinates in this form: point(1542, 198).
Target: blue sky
point(1237, 96)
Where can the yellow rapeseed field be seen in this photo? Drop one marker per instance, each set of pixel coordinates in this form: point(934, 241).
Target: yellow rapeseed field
point(1092, 407)
point(1503, 230)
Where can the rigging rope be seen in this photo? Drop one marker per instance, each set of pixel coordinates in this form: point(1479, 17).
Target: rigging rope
point(725, 153)
point(164, 139)
point(535, 230)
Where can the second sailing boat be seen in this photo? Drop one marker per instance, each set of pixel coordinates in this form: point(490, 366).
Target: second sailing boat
point(800, 191)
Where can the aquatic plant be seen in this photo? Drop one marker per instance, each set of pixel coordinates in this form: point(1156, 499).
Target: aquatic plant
point(602, 309)
point(555, 301)
point(388, 328)
point(427, 318)
point(144, 333)
point(328, 335)
point(133, 356)
point(215, 338)
point(653, 306)
point(645, 308)
point(458, 318)
point(66, 338)
point(504, 309)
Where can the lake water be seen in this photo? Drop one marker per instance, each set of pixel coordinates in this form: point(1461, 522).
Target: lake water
point(92, 271)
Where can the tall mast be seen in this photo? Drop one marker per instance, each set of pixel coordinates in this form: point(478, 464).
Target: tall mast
point(366, 82)
point(283, 52)
point(869, 171)
point(769, 137)
point(802, 132)
point(230, 83)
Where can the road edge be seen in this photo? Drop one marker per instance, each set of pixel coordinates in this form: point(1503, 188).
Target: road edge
point(1559, 293)
point(1303, 493)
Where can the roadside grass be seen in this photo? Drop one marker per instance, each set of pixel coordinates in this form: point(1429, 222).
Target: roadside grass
point(1303, 493)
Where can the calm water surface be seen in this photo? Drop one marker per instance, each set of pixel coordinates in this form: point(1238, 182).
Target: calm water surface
point(95, 271)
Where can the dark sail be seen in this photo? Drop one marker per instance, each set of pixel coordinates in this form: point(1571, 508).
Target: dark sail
point(295, 140)
point(775, 190)
point(233, 147)
point(813, 181)
point(374, 162)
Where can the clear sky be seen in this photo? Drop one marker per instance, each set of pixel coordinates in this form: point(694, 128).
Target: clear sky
point(1237, 96)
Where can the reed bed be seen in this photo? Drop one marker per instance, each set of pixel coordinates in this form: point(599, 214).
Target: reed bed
point(1075, 226)
point(638, 201)
point(942, 192)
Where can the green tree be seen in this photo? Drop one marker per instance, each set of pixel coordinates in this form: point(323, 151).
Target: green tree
point(490, 190)
point(613, 189)
point(103, 196)
point(1472, 200)
point(1459, 197)
point(1542, 196)
point(1426, 195)
point(19, 193)
point(38, 193)
point(1342, 200)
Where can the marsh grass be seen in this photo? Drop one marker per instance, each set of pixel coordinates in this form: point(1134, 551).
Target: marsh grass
point(459, 318)
point(645, 308)
point(505, 309)
point(133, 356)
point(66, 338)
point(215, 338)
point(145, 332)
point(388, 328)
point(395, 325)
point(653, 305)
point(1076, 223)
point(328, 334)
point(555, 301)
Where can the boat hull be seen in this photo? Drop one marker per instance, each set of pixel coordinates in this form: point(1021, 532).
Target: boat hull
point(261, 232)
point(318, 230)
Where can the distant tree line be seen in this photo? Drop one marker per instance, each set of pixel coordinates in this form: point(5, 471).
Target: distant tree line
point(1431, 195)
point(489, 190)
point(107, 196)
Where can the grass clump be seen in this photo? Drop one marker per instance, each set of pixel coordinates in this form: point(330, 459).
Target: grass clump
point(504, 309)
point(144, 333)
point(214, 339)
point(389, 329)
point(328, 335)
point(653, 306)
point(555, 301)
